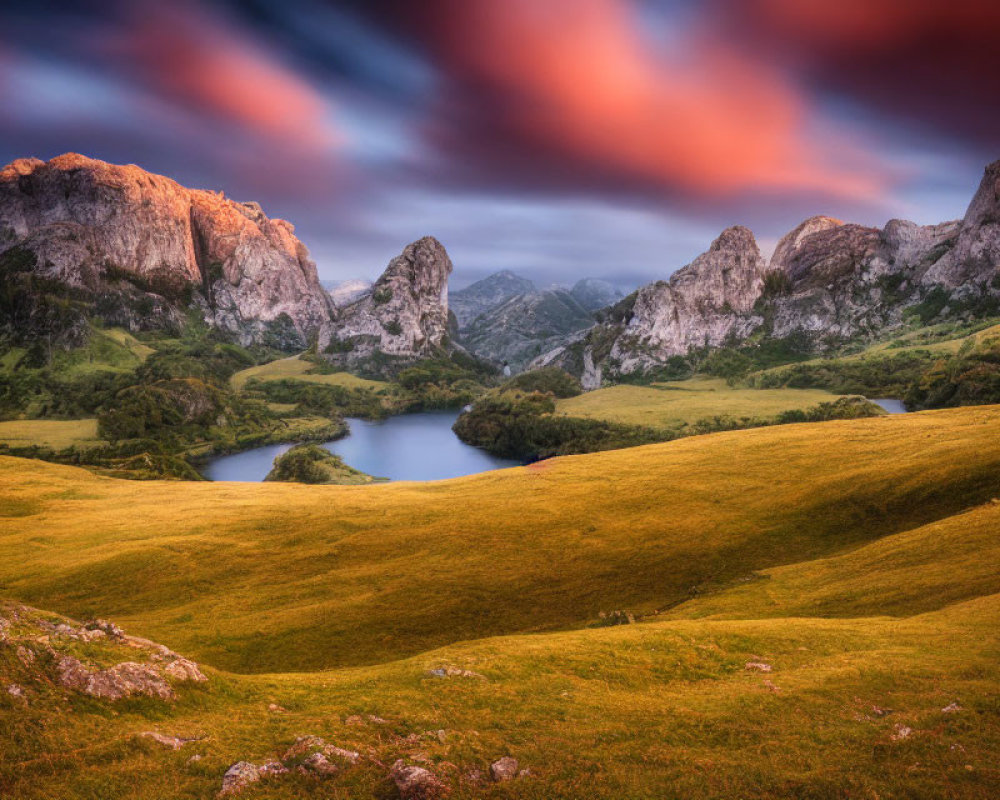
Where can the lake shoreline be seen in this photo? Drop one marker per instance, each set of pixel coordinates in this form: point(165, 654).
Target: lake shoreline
point(417, 446)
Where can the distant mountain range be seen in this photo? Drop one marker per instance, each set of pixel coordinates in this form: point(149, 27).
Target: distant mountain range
point(505, 317)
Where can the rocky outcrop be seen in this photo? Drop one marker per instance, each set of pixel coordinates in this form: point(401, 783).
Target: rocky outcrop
point(828, 282)
point(344, 293)
point(49, 654)
point(704, 304)
point(416, 783)
point(143, 248)
point(974, 260)
point(406, 314)
point(487, 294)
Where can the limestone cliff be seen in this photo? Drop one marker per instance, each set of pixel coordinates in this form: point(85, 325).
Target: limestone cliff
point(144, 247)
point(827, 282)
point(405, 316)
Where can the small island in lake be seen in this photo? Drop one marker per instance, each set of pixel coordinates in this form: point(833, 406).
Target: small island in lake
point(310, 463)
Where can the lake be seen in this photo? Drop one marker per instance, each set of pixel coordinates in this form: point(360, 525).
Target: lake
point(890, 404)
point(410, 447)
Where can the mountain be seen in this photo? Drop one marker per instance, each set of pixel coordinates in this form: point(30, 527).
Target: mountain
point(346, 292)
point(405, 316)
point(593, 294)
point(140, 249)
point(525, 325)
point(82, 239)
point(486, 294)
point(828, 283)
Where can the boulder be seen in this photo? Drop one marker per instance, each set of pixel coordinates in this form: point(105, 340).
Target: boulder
point(504, 769)
point(416, 783)
point(239, 776)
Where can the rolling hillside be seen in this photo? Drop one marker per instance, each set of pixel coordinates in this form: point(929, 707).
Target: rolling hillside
point(851, 649)
point(259, 578)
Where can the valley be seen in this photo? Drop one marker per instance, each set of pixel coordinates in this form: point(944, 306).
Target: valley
point(661, 545)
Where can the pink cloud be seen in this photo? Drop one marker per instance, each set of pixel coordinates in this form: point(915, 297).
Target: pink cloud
point(210, 65)
point(579, 76)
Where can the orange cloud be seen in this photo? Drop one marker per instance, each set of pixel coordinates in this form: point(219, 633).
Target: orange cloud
point(198, 60)
point(578, 75)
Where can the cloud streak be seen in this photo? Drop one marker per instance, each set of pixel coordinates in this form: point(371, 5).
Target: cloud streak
point(208, 65)
point(577, 80)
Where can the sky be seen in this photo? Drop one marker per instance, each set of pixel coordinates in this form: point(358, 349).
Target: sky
point(560, 139)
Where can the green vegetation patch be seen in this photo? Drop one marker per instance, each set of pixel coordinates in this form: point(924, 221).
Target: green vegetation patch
point(310, 463)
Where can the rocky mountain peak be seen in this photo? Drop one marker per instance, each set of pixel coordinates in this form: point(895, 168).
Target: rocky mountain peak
point(119, 231)
point(975, 258)
point(487, 294)
point(736, 238)
point(790, 244)
point(422, 269)
point(406, 313)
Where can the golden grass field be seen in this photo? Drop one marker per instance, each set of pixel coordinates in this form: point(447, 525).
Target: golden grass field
point(294, 367)
point(57, 434)
point(671, 404)
point(860, 559)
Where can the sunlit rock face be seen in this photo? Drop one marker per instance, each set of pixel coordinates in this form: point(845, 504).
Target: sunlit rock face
point(406, 313)
point(107, 229)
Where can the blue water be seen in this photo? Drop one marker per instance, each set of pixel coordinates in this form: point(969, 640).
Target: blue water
point(890, 404)
point(411, 447)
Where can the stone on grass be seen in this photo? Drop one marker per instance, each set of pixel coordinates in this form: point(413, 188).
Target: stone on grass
point(450, 671)
point(416, 783)
point(757, 666)
point(122, 680)
point(170, 742)
point(900, 732)
point(184, 669)
point(239, 776)
point(504, 769)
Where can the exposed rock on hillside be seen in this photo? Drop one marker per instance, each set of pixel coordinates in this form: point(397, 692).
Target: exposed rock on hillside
point(47, 656)
point(346, 292)
point(974, 260)
point(142, 247)
point(703, 304)
point(487, 294)
point(828, 282)
point(405, 315)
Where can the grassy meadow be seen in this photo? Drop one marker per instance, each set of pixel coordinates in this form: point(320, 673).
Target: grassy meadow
point(297, 369)
point(858, 559)
point(675, 403)
point(54, 433)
